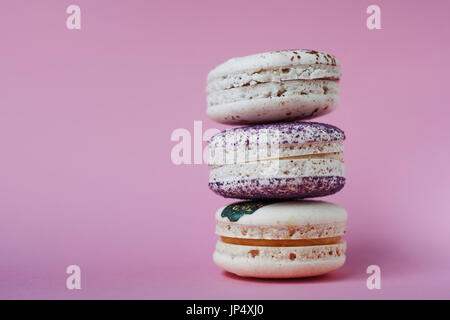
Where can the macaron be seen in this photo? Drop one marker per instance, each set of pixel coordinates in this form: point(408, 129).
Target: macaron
point(273, 86)
point(292, 160)
point(288, 239)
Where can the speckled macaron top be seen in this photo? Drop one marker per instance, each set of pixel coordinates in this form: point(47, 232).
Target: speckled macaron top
point(275, 59)
point(298, 132)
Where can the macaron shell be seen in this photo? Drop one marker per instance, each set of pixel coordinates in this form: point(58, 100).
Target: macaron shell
point(274, 59)
point(276, 109)
point(287, 220)
point(274, 90)
point(283, 133)
point(293, 213)
point(283, 74)
point(279, 188)
point(271, 232)
point(279, 262)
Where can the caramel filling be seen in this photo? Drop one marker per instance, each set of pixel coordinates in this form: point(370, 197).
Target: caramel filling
point(331, 155)
point(281, 242)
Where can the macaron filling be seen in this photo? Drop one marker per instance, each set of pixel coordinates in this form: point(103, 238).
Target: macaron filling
point(282, 169)
point(271, 90)
point(331, 155)
point(282, 242)
point(273, 67)
point(235, 154)
point(286, 73)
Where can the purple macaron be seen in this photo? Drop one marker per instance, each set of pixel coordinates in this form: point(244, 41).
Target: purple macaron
point(291, 160)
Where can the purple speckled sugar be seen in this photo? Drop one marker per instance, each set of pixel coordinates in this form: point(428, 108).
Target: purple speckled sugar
point(279, 188)
point(297, 132)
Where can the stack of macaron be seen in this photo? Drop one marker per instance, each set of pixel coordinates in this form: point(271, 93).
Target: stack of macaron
point(274, 162)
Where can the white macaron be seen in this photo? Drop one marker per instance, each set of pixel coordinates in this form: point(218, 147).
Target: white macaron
point(288, 239)
point(273, 86)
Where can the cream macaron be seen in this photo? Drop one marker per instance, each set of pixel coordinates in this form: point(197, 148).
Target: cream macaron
point(288, 239)
point(273, 86)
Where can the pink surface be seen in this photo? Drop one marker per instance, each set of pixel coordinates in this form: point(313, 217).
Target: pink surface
point(86, 117)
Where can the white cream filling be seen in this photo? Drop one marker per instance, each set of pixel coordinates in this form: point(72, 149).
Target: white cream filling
point(293, 72)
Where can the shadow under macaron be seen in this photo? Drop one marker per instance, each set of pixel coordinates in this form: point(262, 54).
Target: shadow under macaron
point(329, 277)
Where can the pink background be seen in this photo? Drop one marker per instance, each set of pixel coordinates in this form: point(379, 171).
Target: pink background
point(86, 118)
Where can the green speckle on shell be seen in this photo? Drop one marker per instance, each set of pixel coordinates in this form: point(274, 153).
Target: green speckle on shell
point(236, 210)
